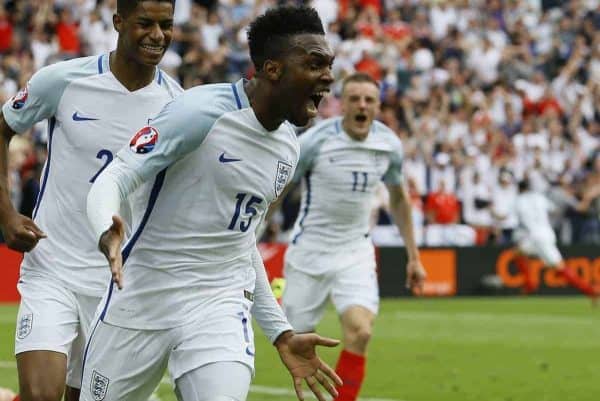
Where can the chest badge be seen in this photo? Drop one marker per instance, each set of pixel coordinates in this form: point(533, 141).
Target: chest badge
point(283, 174)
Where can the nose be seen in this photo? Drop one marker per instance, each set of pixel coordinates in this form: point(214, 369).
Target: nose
point(328, 76)
point(156, 33)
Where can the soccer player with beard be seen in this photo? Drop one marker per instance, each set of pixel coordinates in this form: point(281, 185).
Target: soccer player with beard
point(92, 104)
point(342, 161)
point(190, 277)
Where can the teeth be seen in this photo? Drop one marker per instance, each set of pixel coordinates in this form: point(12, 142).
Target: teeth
point(152, 47)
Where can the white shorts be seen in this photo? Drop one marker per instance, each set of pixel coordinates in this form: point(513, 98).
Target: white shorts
point(543, 249)
point(352, 282)
point(127, 364)
point(53, 318)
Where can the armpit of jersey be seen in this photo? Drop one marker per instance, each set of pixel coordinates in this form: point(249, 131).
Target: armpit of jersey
point(39, 100)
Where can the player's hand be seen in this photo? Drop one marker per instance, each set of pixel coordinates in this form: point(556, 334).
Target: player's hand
point(110, 246)
point(415, 276)
point(21, 233)
point(297, 351)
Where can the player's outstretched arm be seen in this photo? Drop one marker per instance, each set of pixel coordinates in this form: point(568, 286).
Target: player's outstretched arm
point(298, 354)
point(20, 232)
point(110, 245)
point(104, 200)
point(401, 210)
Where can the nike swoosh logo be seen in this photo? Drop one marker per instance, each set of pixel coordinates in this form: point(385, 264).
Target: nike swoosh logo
point(77, 117)
point(224, 159)
point(249, 352)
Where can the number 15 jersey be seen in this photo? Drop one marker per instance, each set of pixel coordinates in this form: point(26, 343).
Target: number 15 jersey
point(90, 114)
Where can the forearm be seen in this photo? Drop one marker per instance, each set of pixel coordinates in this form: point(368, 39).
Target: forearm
point(265, 309)
point(401, 210)
point(107, 193)
point(6, 207)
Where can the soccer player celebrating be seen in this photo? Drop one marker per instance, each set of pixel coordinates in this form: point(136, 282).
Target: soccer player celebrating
point(536, 238)
point(342, 161)
point(92, 104)
point(210, 164)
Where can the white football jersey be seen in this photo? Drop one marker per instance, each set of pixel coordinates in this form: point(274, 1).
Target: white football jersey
point(211, 171)
point(90, 115)
point(340, 177)
point(533, 214)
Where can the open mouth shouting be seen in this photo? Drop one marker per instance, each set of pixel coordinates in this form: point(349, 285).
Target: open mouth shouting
point(314, 100)
point(361, 118)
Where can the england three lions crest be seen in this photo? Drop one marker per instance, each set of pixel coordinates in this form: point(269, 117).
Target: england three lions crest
point(284, 170)
point(98, 386)
point(24, 326)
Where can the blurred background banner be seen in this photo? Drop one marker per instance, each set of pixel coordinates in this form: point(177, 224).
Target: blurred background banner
point(451, 271)
point(9, 265)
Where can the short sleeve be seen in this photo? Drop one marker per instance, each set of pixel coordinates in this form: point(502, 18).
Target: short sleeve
point(38, 100)
point(310, 144)
point(393, 175)
point(177, 130)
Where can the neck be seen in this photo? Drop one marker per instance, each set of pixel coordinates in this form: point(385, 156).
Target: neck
point(132, 75)
point(266, 110)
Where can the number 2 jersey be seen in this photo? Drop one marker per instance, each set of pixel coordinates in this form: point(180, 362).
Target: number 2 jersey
point(211, 170)
point(340, 176)
point(90, 115)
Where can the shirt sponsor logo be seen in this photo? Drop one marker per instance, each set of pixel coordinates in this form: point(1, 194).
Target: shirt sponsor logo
point(283, 174)
point(18, 101)
point(144, 140)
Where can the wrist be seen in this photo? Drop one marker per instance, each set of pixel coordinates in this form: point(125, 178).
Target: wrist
point(283, 338)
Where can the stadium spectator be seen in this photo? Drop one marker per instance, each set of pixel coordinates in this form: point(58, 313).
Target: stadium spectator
point(454, 74)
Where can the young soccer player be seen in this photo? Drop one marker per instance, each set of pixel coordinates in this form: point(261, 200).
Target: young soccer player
point(210, 164)
point(536, 238)
point(342, 161)
point(91, 104)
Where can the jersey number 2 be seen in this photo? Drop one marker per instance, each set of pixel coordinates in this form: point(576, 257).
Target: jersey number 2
point(249, 210)
point(103, 154)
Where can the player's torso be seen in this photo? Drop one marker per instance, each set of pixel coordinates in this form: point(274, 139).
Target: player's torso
point(224, 186)
point(196, 243)
point(339, 189)
point(533, 210)
point(94, 119)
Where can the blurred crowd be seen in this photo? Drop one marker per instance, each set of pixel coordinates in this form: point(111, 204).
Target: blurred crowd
point(483, 93)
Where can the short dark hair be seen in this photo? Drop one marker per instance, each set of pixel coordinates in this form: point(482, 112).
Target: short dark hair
point(359, 77)
point(269, 33)
point(126, 7)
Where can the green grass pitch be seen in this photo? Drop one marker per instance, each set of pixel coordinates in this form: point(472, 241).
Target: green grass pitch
point(469, 349)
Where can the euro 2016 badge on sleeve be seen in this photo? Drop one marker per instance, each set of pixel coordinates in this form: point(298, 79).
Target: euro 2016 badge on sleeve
point(283, 174)
point(144, 140)
point(18, 101)
point(99, 386)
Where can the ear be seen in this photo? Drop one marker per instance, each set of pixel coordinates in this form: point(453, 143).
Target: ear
point(273, 69)
point(117, 22)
